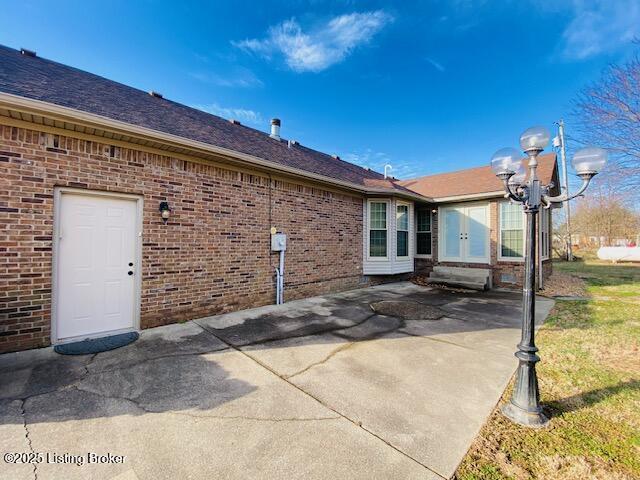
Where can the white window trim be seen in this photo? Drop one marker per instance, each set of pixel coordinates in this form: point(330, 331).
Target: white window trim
point(408, 230)
point(368, 238)
point(424, 255)
point(499, 245)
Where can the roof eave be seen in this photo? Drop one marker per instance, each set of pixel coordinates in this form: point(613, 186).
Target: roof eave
point(71, 115)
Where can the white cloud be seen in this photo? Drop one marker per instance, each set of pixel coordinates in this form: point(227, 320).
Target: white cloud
point(377, 160)
point(319, 48)
point(438, 66)
point(600, 26)
point(248, 117)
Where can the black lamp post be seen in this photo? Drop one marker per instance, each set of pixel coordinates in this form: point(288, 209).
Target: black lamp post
point(524, 407)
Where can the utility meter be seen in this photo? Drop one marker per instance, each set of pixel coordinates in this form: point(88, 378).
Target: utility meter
point(278, 242)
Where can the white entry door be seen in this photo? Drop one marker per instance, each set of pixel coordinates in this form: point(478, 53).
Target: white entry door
point(96, 264)
point(464, 234)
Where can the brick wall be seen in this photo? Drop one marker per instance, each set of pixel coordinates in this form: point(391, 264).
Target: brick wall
point(212, 256)
point(501, 270)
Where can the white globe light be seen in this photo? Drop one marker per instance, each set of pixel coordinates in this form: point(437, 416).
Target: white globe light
point(506, 160)
point(589, 160)
point(535, 137)
point(520, 175)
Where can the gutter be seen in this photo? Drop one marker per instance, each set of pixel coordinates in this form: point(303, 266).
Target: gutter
point(72, 115)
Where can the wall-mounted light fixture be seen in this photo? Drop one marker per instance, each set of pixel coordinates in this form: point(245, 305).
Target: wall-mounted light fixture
point(165, 211)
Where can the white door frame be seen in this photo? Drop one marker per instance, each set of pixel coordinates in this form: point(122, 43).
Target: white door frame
point(57, 212)
point(463, 245)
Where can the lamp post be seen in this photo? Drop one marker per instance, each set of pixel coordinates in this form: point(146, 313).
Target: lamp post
point(524, 407)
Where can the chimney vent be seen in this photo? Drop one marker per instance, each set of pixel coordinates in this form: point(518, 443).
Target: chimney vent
point(275, 128)
point(27, 53)
point(234, 121)
point(336, 157)
point(155, 94)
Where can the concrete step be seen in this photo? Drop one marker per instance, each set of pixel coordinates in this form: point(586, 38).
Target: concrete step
point(475, 273)
point(470, 284)
point(461, 278)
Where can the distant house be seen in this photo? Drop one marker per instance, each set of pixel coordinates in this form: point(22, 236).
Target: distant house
point(124, 210)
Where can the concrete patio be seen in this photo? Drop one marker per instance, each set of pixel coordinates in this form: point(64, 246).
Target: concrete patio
point(385, 382)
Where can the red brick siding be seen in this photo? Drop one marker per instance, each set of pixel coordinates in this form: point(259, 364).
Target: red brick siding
point(212, 256)
point(498, 268)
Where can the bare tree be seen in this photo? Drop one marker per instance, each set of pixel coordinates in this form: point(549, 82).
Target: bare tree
point(607, 114)
point(604, 217)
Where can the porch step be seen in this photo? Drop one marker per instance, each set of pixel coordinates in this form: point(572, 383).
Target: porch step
point(473, 278)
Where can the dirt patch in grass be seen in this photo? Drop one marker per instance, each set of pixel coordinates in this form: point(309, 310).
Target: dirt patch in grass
point(407, 310)
point(564, 285)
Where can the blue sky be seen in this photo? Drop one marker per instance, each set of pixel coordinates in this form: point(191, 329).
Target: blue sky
point(426, 86)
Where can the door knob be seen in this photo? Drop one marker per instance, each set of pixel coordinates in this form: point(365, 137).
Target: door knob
point(131, 264)
point(130, 272)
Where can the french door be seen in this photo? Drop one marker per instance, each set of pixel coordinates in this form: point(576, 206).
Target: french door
point(464, 234)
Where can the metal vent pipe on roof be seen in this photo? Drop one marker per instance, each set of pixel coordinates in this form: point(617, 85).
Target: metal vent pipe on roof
point(275, 128)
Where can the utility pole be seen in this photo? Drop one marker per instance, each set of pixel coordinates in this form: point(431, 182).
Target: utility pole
point(565, 188)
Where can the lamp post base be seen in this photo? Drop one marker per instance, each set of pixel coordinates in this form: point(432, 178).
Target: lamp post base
point(523, 417)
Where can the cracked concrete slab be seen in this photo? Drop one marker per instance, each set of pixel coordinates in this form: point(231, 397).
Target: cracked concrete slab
point(295, 319)
point(427, 398)
point(290, 356)
point(166, 341)
point(13, 439)
point(316, 388)
point(492, 337)
point(372, 327)
point(33, 372)
point(170, 446)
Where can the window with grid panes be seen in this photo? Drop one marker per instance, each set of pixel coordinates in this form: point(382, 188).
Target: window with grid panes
point(511, 230)
point(378, 229)
point(423, 232)
point(402, 231)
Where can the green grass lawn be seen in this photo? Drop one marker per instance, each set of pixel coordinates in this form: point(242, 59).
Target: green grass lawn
point(590, 386)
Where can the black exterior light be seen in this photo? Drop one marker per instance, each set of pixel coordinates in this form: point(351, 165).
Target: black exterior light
point(165, 211)
point(524, 187)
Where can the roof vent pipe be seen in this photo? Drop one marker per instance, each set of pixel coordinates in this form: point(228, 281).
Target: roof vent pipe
point(27, 53)
point(389, 167)
point(275, 128)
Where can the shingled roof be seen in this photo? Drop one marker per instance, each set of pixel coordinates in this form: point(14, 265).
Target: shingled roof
point(40, 79)
point(473, 181)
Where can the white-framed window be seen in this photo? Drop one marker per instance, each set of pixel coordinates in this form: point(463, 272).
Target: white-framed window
point(378, 229)
point(402, 230)
point(511, 232)
point(545, 238)
point(423, 232)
